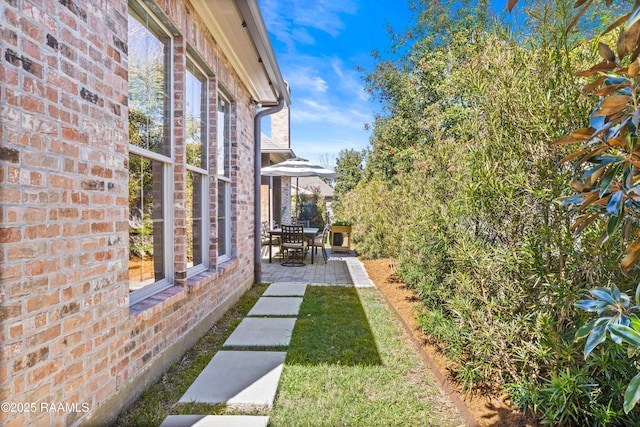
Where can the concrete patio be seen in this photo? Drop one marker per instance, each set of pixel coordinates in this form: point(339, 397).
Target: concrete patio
point(340, 269)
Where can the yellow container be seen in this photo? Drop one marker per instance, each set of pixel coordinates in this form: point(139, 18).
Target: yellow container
point(340, 238)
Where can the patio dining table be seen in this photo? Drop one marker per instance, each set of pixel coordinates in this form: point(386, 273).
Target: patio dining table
point(309, 234)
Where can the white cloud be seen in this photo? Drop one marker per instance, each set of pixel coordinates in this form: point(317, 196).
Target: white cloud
point(329, 113)
point(349, 81)
point(301, 35)
point(323, 91)
point(305, 80)
point(290, 20)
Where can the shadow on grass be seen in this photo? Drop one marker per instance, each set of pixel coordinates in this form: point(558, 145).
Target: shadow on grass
point(332, 328)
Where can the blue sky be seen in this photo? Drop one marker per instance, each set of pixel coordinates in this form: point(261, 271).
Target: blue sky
point(319, 44)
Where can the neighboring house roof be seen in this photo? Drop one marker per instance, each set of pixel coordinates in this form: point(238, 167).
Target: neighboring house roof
point(308, 183)
point(277, 153)
point(239, 30)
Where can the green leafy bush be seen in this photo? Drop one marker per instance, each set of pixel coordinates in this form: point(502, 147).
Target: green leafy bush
point(461, 187)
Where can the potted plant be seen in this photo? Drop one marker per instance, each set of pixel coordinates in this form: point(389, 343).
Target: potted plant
point(338, 230)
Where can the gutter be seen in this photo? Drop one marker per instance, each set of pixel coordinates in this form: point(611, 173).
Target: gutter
point(257, 131)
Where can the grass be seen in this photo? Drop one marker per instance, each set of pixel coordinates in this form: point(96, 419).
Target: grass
point(349, 365)
point(332, 328)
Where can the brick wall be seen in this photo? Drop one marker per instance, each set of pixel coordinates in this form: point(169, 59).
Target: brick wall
point(281, 128)
point(67, 331)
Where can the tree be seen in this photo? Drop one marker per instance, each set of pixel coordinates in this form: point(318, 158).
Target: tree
point(412, 81)
point(349, 165)
point(311, 208)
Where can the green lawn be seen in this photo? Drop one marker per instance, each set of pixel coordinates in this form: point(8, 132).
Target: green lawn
point(349, 364)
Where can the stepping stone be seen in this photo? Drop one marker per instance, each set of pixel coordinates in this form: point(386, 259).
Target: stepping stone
point(238, 378)
point(286, 289)
point(276, 306)
point(215, 421)
point(261, 332)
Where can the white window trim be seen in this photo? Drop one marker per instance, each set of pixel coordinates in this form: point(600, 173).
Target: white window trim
point(206, 214)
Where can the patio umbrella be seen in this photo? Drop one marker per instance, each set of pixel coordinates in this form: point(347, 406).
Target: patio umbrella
point(298, 167)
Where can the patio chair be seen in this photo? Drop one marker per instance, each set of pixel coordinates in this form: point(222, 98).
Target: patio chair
point(319, 239)
point(294, 245)
point(266, 239)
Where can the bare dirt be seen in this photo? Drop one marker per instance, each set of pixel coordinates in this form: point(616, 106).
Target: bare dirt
point(488, 410)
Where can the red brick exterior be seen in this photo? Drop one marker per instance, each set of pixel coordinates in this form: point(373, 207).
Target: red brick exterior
point(68, 334)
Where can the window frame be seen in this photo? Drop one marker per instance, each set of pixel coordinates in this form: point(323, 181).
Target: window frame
point(154, 25)
point(223, 179)
point(205, 176)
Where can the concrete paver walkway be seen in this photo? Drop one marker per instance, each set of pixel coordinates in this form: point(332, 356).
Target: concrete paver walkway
point(358, 273)
point(286, 289)
point(215, 421)
point(334, 272)
point(261, 332)
point(276, 306)
point(249, 379)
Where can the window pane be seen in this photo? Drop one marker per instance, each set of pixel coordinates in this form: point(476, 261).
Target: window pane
point(148, 87)
point(194, 218)
point(146, 221)
point(224, 141)
point(222, 218)
point(194, 120)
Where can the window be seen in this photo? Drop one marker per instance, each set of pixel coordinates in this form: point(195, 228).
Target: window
point(197, 175)
point(224, 178)
point(157, 199)
point(150, 161)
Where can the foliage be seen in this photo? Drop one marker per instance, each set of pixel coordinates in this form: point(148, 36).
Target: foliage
point(311, 208)
point(607, 162)
point(606, 174)
point(421, 55)
point(460, 191)
point(619, 320)
point(143, 133)
point(349, 165)
point(141, 237)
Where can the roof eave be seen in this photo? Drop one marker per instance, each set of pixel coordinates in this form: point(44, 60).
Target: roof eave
point(239, 30)
point(258, 30)
point(278, 155)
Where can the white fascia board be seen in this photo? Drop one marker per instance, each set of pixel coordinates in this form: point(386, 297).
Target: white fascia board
point(244, 46)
